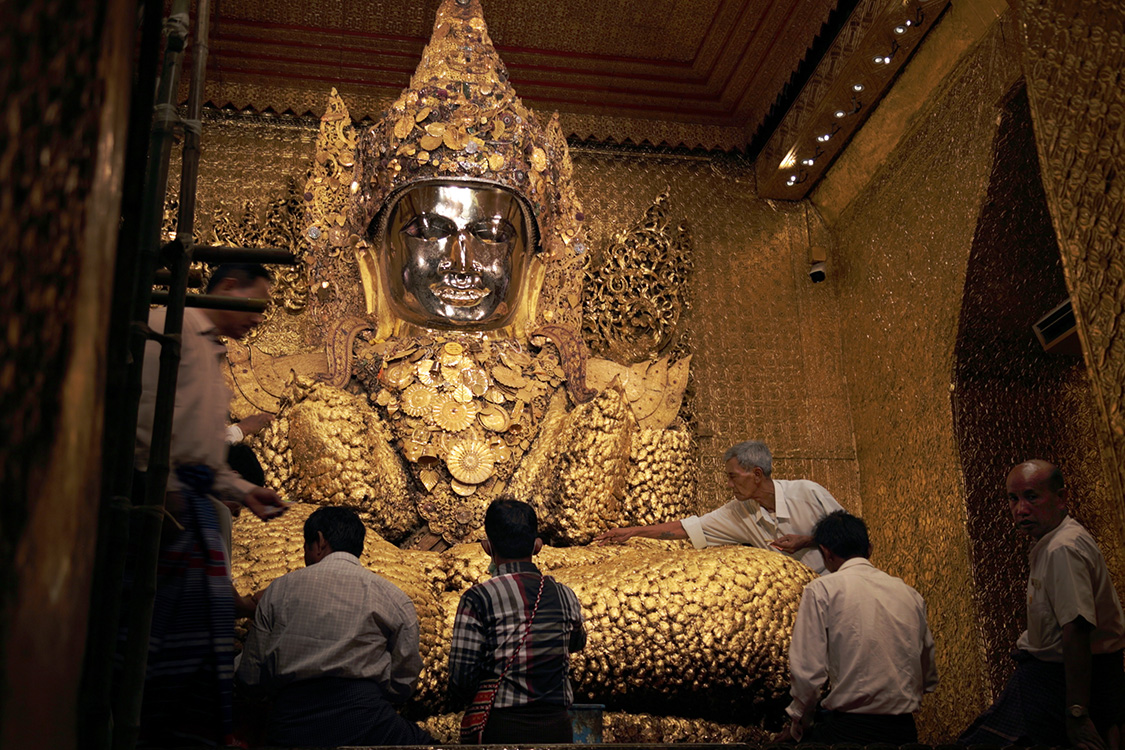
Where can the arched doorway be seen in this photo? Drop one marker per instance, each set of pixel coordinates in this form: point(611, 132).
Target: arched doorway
point(1012, 400)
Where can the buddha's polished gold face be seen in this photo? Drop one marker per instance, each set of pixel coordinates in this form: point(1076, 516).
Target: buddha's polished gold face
point(456, 254)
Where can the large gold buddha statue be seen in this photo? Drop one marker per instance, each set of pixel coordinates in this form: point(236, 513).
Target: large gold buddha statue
point(440, 362)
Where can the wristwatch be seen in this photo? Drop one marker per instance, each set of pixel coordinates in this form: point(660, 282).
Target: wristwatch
point(1077, 712)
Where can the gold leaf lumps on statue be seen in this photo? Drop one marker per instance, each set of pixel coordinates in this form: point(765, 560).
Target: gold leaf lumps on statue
point(694, 632)
point(649, 729)
point(591, 467)
point(638, 729)
point(467, 564)
point(460, 119)
point(700, 633)
point(341, 455)
point(662, 477)
point(637, 289)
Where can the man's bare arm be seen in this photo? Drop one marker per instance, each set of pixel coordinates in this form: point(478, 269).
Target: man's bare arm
point(1077, 664)
point(669, 530)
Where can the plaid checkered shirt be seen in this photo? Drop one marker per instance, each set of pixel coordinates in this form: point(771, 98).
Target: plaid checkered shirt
point(491, 620)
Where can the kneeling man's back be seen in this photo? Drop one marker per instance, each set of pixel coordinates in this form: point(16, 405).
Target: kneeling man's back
point(864, 632)
point(334, 644)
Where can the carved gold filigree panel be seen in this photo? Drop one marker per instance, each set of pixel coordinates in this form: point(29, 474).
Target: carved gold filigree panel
point(637, 289)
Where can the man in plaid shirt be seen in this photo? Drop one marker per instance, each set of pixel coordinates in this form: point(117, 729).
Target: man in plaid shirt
point(492, 620)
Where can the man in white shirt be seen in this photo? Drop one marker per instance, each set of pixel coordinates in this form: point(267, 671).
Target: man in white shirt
point(865, 633)
point(333, 645)
point(188, 682)
point(770, 513)
point(1069, 684)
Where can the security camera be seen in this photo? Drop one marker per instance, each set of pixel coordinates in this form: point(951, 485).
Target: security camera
point(816, 272)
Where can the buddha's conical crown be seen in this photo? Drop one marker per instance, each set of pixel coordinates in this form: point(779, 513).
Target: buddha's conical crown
point(460, 119)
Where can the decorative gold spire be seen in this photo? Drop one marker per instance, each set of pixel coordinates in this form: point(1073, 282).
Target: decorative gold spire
point(460, 119)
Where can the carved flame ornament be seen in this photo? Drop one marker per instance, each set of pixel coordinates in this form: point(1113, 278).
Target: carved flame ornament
point(636, 292)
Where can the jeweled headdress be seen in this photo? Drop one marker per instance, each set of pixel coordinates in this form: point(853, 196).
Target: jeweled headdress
point(460, 119)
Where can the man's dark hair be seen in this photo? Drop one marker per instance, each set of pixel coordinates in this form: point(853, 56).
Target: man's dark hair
point(511, 526)
point(843, 534)
point(243, 273)
point(341, 527)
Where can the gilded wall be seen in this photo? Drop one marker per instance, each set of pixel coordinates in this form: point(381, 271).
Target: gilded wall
point(903, 246)
point(765, 340)
point(1074, 51)
point(1012, 400)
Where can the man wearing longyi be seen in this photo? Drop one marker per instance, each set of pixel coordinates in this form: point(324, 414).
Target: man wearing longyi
point(1068, 687)
point(770, 513)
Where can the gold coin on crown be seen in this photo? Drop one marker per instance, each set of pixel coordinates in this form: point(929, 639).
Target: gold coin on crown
point(475, 378)
point(464, 490)
point(400, 375)
point(425, 370)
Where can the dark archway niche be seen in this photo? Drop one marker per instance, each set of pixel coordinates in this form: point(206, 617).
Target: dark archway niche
point(1012, 401)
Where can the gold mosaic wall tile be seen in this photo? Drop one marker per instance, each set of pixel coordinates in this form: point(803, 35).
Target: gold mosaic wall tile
point(904, 244)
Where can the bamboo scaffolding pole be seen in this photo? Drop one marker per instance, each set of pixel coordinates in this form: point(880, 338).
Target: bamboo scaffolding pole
point(216, 302)
point(130, 689)
point(223, 254)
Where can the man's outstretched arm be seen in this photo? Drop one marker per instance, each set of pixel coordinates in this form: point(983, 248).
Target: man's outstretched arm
point(668, 530)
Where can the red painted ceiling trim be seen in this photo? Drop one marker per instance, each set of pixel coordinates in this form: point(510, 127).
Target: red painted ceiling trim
point(420, 43)
point(243, 39)
point(761, 59)
point(710, 29)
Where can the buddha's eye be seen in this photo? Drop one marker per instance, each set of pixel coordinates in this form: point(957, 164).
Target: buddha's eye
point(494, 229)
point(430, 227)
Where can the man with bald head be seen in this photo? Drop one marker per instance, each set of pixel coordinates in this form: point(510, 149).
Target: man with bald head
point(1069, 684)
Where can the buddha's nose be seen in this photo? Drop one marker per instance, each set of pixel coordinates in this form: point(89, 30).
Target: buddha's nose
point(459, 256)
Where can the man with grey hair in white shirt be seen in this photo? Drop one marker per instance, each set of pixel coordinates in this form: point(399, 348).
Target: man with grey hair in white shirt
point(770, 513)
point(865, 633)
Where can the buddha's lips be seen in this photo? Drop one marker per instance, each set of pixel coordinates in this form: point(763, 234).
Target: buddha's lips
point(458, 296)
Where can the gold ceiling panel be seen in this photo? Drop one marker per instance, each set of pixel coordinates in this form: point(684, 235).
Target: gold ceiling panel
point(703, 74)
